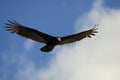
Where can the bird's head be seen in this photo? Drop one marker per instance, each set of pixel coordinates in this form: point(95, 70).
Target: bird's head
point(59, 39)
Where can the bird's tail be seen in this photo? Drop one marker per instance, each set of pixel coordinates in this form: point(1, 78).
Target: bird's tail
point(47, 48)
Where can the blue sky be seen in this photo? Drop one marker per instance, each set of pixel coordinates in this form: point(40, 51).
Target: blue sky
point(55, 17)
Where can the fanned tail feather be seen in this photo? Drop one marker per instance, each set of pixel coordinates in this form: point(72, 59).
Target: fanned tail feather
point(47, 48)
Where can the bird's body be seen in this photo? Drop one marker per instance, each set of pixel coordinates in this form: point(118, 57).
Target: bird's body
point(50, 41)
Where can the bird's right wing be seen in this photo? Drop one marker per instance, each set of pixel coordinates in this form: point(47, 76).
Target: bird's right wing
point(76, 37)
point(30, 33)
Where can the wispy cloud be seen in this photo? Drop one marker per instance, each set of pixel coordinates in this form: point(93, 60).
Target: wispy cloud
point(28, 44)
point(91, 59)
point(14, 61)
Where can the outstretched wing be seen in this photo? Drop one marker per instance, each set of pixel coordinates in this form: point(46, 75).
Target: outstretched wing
point(78, 36)
point(30, 33)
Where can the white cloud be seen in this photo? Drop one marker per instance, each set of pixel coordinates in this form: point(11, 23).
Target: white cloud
point(90, 59)
point(28, 44)
point(29, 72)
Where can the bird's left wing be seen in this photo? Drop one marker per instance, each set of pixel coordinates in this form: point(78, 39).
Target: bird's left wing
point(78, 36)
point(30, 33)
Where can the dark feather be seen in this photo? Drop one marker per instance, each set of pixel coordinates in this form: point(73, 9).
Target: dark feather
point(47, 48)
point(49, 40)
point(78, 36)
point(30, 33)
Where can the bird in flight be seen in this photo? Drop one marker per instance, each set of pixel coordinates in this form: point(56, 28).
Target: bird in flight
point(49, 40)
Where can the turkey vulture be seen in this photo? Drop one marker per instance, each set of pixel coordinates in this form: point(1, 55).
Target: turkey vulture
point(50, 41)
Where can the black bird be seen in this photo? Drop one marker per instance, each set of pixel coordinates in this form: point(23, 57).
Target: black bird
point(50, 41)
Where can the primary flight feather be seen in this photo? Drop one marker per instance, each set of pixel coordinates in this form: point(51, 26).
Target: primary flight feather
point(50, 41)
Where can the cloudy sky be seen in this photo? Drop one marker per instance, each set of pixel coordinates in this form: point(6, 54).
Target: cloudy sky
point(90, 59)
